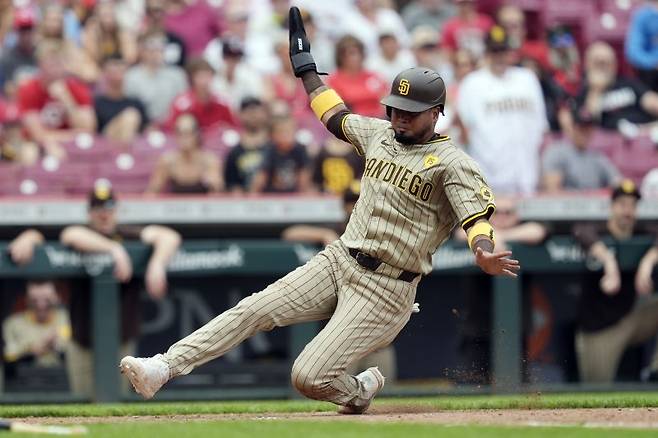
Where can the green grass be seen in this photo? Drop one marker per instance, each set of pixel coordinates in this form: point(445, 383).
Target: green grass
point(548, 401)
point(284, 429)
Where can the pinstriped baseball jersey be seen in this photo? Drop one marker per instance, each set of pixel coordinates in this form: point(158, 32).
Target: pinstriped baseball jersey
point(412, 196)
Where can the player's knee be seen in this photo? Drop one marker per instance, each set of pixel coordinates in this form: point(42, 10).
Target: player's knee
point(308, 383)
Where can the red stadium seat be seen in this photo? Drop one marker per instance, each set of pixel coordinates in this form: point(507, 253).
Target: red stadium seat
point(637, 158)
point(126, 173)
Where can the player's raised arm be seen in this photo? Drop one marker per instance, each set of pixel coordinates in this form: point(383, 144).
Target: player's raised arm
point(325, 102)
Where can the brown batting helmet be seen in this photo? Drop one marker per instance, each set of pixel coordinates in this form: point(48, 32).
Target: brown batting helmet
point(415, 90)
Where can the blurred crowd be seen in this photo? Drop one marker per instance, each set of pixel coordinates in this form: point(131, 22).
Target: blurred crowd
point(196, 96)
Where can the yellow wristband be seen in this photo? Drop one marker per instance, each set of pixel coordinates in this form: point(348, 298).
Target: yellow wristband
point(324, 101)
point(480, 229)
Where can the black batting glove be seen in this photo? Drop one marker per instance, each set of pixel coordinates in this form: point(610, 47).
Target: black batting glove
point(300, 48)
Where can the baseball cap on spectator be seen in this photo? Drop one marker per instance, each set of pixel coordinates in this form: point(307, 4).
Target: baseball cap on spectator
point(232, 48)
point(626, 188)
point(24, 18)
point(249, 102)
point(425, 37)
point(560, 37)
point(582, 117)
point(102, 196)
point(497, 40)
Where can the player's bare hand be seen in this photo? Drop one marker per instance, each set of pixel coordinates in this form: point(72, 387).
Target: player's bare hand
point(123, 267)
point(497, 263)
point(156, 280)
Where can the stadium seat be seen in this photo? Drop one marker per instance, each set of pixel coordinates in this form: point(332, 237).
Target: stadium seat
point(637, 158)
point(127, 174)
point(606, 141)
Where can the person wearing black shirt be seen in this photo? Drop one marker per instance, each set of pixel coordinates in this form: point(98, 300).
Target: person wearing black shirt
point(120, 118)
point(246, 158)
point(617, 309)
point(612, 99)
point(285, 163)
point(103, 234)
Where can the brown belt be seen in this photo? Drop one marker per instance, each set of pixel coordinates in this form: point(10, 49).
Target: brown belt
point(372, 263)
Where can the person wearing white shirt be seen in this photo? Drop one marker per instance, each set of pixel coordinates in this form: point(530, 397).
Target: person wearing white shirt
point(391, 59)
point(368, 20)
point(502, 110)
point(236, 80)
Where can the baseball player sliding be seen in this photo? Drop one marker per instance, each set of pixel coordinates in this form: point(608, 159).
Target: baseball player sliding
point(416, 187)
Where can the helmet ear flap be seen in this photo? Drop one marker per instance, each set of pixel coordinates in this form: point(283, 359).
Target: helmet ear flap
point(388, 112)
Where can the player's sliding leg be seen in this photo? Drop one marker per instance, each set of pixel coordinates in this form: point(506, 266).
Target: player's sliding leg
point(372, 309)
point(309, 293)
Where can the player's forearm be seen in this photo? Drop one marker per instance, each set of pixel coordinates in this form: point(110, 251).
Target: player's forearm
point(85, 240)
point(601, 253)
point(530, 232)
point(326, 105)
point(481, 235)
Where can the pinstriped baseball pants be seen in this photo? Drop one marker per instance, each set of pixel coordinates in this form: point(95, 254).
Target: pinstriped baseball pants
point(366, 311)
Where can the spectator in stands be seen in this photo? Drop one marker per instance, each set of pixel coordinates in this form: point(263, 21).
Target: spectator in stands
point(391, 59)
point(13, 144)
point(507, 100)
point(571, 165)
point(246, 158)
point(152, 81)
point(433, 13)
point(616, 102)
point(235, 79)
point(285, 87)
point(102, 37)
point(40, 334)
point(368, 20)
point(650, 184)
point(617, 309)
point(200, 101)
point(19, 62)
point(195, 21)
point(286, 164)
point(189, 169)
point(512, 19)
point(336, 167)
point(264, 31)
point(467, 30)
point(428, 53)
point(175, 52)
point(641, 45)
point(463, 64)
point(564, 60)
point(79, 63)
point(557, 101)
point(103, 234)
point(361, 89)
point(55, 106)
point(118, 117)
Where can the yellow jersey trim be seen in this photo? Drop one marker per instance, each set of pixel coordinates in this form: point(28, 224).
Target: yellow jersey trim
point(488, 211)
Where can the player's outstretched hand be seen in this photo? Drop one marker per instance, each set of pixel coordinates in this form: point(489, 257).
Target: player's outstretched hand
point(300, 47)
point(497, 263)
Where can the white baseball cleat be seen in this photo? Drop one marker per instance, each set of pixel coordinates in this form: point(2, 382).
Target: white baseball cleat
point(372, 381)
point(146, 374)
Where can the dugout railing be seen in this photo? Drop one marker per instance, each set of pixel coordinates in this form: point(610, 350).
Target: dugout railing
point(558, 255)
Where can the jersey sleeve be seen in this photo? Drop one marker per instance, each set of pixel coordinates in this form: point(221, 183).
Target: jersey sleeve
point(469, 195)
point(360, 130)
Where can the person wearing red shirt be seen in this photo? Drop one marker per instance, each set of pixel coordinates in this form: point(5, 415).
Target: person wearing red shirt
point(467, 30)
point(54, 106)
point(199, 100)
point(360, 89)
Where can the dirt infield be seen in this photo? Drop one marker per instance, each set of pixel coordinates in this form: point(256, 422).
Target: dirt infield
point(610, 417)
